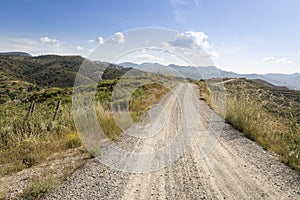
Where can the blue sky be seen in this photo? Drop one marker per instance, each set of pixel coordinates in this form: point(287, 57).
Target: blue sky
point(257, 36)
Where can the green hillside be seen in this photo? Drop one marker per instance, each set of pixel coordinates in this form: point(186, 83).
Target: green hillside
point(22, 75)
point(53, 70)
point(46, 71)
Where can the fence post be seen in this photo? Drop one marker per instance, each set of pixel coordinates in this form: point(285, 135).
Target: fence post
point(56, 110)
point(30, 110)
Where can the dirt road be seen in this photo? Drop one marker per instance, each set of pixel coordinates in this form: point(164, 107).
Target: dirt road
point(177, 153)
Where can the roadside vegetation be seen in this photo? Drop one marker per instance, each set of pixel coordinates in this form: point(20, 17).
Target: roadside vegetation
point(28, 140)
point(36, 122)
point(265, 113)
point(40, 187)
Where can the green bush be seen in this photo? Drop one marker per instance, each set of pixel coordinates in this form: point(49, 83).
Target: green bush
point(73, 140)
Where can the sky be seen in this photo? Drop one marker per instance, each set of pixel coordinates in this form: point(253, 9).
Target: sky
point(257, 36)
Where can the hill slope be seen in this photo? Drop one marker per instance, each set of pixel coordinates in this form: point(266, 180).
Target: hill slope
point(16, 53)
point(20, 76)
point(53, 70)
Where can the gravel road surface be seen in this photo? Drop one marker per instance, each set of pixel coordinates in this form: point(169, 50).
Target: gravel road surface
point(182, 150)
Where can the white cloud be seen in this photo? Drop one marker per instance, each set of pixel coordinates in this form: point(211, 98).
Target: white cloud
point(80, 48)
point(269, 59)
point(119, 37)
point(214, 54)
point(283, 60)
point(299, 52)
point(52, 41)
point(193, 45)
point(100, 40)
point(37, 47)
point(48, 40)
point(190, 40)
point(149, 58)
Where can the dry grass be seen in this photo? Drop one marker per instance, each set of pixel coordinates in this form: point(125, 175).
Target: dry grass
point(24, 144)
point(251, 109)
point(144, 97)
point(33, 151)
point(107, 123)
point(59, 165)
point(141, 101)
point(41, 187)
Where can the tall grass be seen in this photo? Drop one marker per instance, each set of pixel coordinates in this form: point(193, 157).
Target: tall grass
point(141, 101)
point(107, 123)
point(25, 143)
point(251, 110)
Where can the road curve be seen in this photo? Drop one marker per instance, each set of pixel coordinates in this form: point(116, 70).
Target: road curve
point(153, 160)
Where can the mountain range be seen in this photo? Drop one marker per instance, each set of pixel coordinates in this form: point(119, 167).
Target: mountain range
point(292, 81)
point(60, 71)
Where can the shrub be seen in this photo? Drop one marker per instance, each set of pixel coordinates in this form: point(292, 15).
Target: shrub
point(30, 160)
point(41, 187)
point(73, 140)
